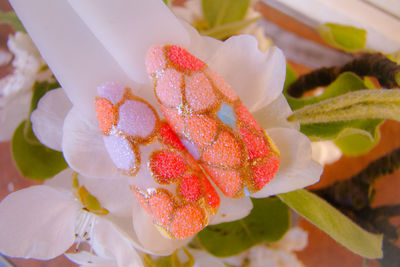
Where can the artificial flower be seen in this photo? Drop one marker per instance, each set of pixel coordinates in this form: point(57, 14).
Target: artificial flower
point(16, 88)
point(100, 41)
point(59, 214)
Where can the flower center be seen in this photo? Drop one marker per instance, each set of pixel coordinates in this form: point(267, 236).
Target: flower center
point(84, 227)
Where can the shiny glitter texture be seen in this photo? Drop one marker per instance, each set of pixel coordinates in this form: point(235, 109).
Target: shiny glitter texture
point(169, 137)
point(167, 165)
point(212, 122)
point(179, 197)
point(199, 92)
point(187, 221)
point(125, 122)
point(190, 187)
point(187, 212)
point(121, 151)
point(106, 114)
point(184, 59)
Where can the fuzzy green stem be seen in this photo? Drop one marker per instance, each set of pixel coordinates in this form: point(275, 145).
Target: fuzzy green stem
point(376, 65)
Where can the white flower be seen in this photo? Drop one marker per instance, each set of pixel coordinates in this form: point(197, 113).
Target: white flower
point(188, 256)
point(325, 152)
point(16, 88)
point(192, 12)
point(279, 254)
point(99, 41)
point(43, 221)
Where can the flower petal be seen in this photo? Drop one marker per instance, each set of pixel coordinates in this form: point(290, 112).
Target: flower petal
point(203, 47)
point(245, 68)
point(325, 152)
point(63, 180)
point(75, 56)
point(107, 238)
point(86, 259)
point(13, 112)
point(48, 118)
point(274, 115)
point(37, 222)
point(232, 209)
point(83, 147)
point(114, 195)
point(297, 169)
point(150, 238)
point(129, 28)
point(204, 259)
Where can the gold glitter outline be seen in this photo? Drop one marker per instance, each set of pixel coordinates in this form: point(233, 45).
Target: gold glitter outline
point(245, 169)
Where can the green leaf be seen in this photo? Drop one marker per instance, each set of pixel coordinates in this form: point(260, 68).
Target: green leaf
point(267, 222)
point(335, 130)
point(220, 12)
point(11, 19)
point(358, 144)
point(334, 223)
point(346, 82)
point(168, 2)
point(35, 161)
point(226, 30)
point(353, 137)
point(363, 104)
point(343, 37)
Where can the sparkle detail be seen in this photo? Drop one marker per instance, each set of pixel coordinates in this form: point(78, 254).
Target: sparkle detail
point(184, 59)
point(230, 145)
point(130, 123)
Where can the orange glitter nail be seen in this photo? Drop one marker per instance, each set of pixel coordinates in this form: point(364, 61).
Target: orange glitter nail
point(228, 137)
point(105, 114)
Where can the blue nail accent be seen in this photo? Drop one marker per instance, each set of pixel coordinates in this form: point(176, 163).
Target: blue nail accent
point(227, 116)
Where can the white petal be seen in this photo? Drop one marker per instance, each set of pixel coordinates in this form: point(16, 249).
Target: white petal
point(106, 235)
point(232, 209)
point(37, 222)
point(256, 77)
point(150, 238)
point(86, 259)
point(63, 180)
point(73, 53)
point(297, 169)
point(48, 118)
point(274, 115)
point(325, 152)
point(129, 28)
point(204, 259)
point(13, 112)
point(295, 239)
point(83, 147)
point(203, 47)
point(114, 195)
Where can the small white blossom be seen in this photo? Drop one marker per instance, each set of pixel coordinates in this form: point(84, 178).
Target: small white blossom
point(58, 217)
point(279, 254)
point(325, 152)
point(16, 88)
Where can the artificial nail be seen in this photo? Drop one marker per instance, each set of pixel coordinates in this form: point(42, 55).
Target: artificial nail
point(211, 121)
point(167, 180)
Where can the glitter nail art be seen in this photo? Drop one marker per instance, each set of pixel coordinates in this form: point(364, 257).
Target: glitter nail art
point(167, 181)
point(211, 121)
